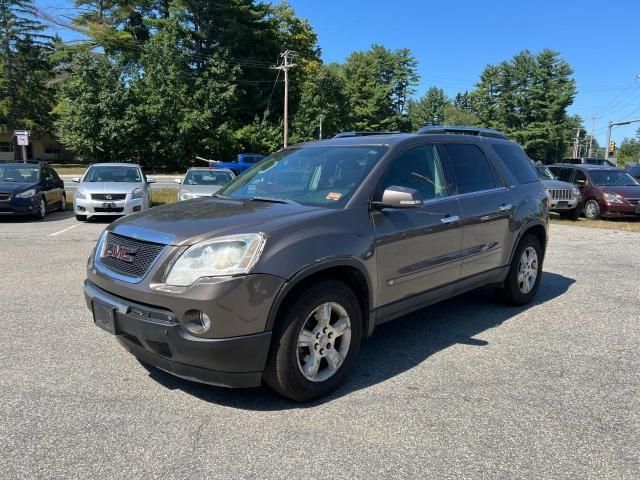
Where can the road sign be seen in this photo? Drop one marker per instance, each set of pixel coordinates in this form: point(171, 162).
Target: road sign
point(23, 139)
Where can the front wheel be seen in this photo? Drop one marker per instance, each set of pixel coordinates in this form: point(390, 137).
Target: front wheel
point(315, 342)
point(63, 203)
point(42, 209)
point(525, 272)
point(592, 210)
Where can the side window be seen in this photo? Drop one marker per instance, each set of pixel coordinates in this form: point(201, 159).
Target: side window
point(563, 174)
point(516, 162)
point(580, 178)
point(47, 176)
point(418, 168)
point(471, 168)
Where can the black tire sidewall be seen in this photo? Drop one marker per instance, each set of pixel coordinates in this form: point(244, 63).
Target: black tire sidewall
point(282, 372)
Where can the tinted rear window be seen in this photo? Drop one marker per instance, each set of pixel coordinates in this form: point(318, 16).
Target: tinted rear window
point(561, 173)
point(471, 168)
point(516, 162)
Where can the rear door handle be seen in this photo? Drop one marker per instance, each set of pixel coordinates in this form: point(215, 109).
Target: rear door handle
point(505, 208)
point(450, 219)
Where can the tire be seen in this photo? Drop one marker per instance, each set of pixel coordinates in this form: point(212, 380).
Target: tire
point(290, 367)
point(63, 202)
point(42, 209)
point(571, 215)
point(81, 218)
point(515, 291)
point(592, 210)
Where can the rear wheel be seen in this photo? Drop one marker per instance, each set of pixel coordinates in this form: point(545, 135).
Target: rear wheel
point(592, 210)
point(315, 342)
point(63, 203)
point(525, 272)
point(42, 209)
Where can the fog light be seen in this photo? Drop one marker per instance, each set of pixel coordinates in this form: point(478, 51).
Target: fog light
point(137, 208)
point(197, 322)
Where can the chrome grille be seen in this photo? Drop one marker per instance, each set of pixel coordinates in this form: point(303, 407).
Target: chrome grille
point(108, 196)
point(561, 193)
point(4, 196)
point(143, 254)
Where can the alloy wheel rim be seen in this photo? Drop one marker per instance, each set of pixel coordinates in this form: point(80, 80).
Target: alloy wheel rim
point(591, 209)
point(43, 209)
point(64, 204)
point(323, 342)
point(528, 270)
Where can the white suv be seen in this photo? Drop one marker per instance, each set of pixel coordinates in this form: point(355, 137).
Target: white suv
point(111, 189)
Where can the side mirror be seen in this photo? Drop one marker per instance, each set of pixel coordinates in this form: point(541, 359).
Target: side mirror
point(398, 197)
point(177, 180)
point(76, 179)
point(581, 183)
point(151, 180)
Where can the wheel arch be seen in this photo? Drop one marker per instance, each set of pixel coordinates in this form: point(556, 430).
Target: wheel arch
point(347, 270)
point(538, 229)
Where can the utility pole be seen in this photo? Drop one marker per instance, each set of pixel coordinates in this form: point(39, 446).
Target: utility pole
point(593, 127)
point(576, 143)
point(320, 135)
point(286, 56)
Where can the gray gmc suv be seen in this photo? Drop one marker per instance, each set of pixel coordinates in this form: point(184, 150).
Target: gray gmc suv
point(279, 276)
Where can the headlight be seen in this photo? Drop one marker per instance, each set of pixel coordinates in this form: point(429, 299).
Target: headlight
point(137, 193)
point(231, 255)
point(576, 191)
point(186, 196)
point(548, 193)
point(611, 198)
point(81, 194)
point(27, 193)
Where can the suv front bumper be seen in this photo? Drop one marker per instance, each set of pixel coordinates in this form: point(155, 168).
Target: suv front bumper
point(156, 337)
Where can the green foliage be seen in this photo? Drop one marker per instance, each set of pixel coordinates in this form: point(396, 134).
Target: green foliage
point(378, 83)
point(527, 97)
point(25, 69)
point(93, 117)
point(629, 150)
point(428, 110)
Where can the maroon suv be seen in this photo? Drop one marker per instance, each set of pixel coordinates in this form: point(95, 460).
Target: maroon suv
point(606, 191)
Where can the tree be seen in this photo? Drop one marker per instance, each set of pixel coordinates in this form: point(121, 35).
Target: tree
point(93, 118)
point(527, 97)
point(428, 110)
point(322, 95)
point(378, 82)
point(629, 150)
point(25, 69)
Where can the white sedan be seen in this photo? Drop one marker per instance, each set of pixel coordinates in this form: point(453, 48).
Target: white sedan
point(113, 189)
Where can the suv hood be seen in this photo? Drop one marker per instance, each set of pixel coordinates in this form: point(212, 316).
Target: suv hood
point(110, 187)
point(630, 191)
point(195, 220)
point(9, 187)
point(556, 184)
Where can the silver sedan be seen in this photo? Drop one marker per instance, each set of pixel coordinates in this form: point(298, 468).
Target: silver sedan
point(203, 182)
point(112, 189)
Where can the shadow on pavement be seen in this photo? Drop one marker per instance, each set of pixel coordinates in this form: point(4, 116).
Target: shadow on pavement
point(394, 348)
point(56, 216)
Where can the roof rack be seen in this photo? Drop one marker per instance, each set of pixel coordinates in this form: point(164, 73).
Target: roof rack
point(361, 133)
point(463, 130)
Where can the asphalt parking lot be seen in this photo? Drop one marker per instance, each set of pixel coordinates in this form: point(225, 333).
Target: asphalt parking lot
point(464, 389)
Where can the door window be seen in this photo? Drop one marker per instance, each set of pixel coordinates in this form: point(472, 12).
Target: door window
point(418, 168)
point(517, 162)
point(471, 168)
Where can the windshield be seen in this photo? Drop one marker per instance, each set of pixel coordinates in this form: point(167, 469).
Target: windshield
point(208, 177)
point(615, 178)
point(19, 174)
point(317, 176)
point(544, 172)
point(113, 173)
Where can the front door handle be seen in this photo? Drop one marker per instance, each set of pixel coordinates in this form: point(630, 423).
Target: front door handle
point(505, 208)
point(450, 219)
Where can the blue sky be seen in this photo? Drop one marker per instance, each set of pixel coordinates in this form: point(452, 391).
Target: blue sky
point(454, 40)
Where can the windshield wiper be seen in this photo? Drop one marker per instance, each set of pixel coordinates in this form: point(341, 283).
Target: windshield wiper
point(273, 200)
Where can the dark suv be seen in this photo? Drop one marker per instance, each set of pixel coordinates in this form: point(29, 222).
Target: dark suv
point(280, 275)
point(606, 191)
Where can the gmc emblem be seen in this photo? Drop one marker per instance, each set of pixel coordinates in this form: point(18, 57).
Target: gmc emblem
point(120, 252)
